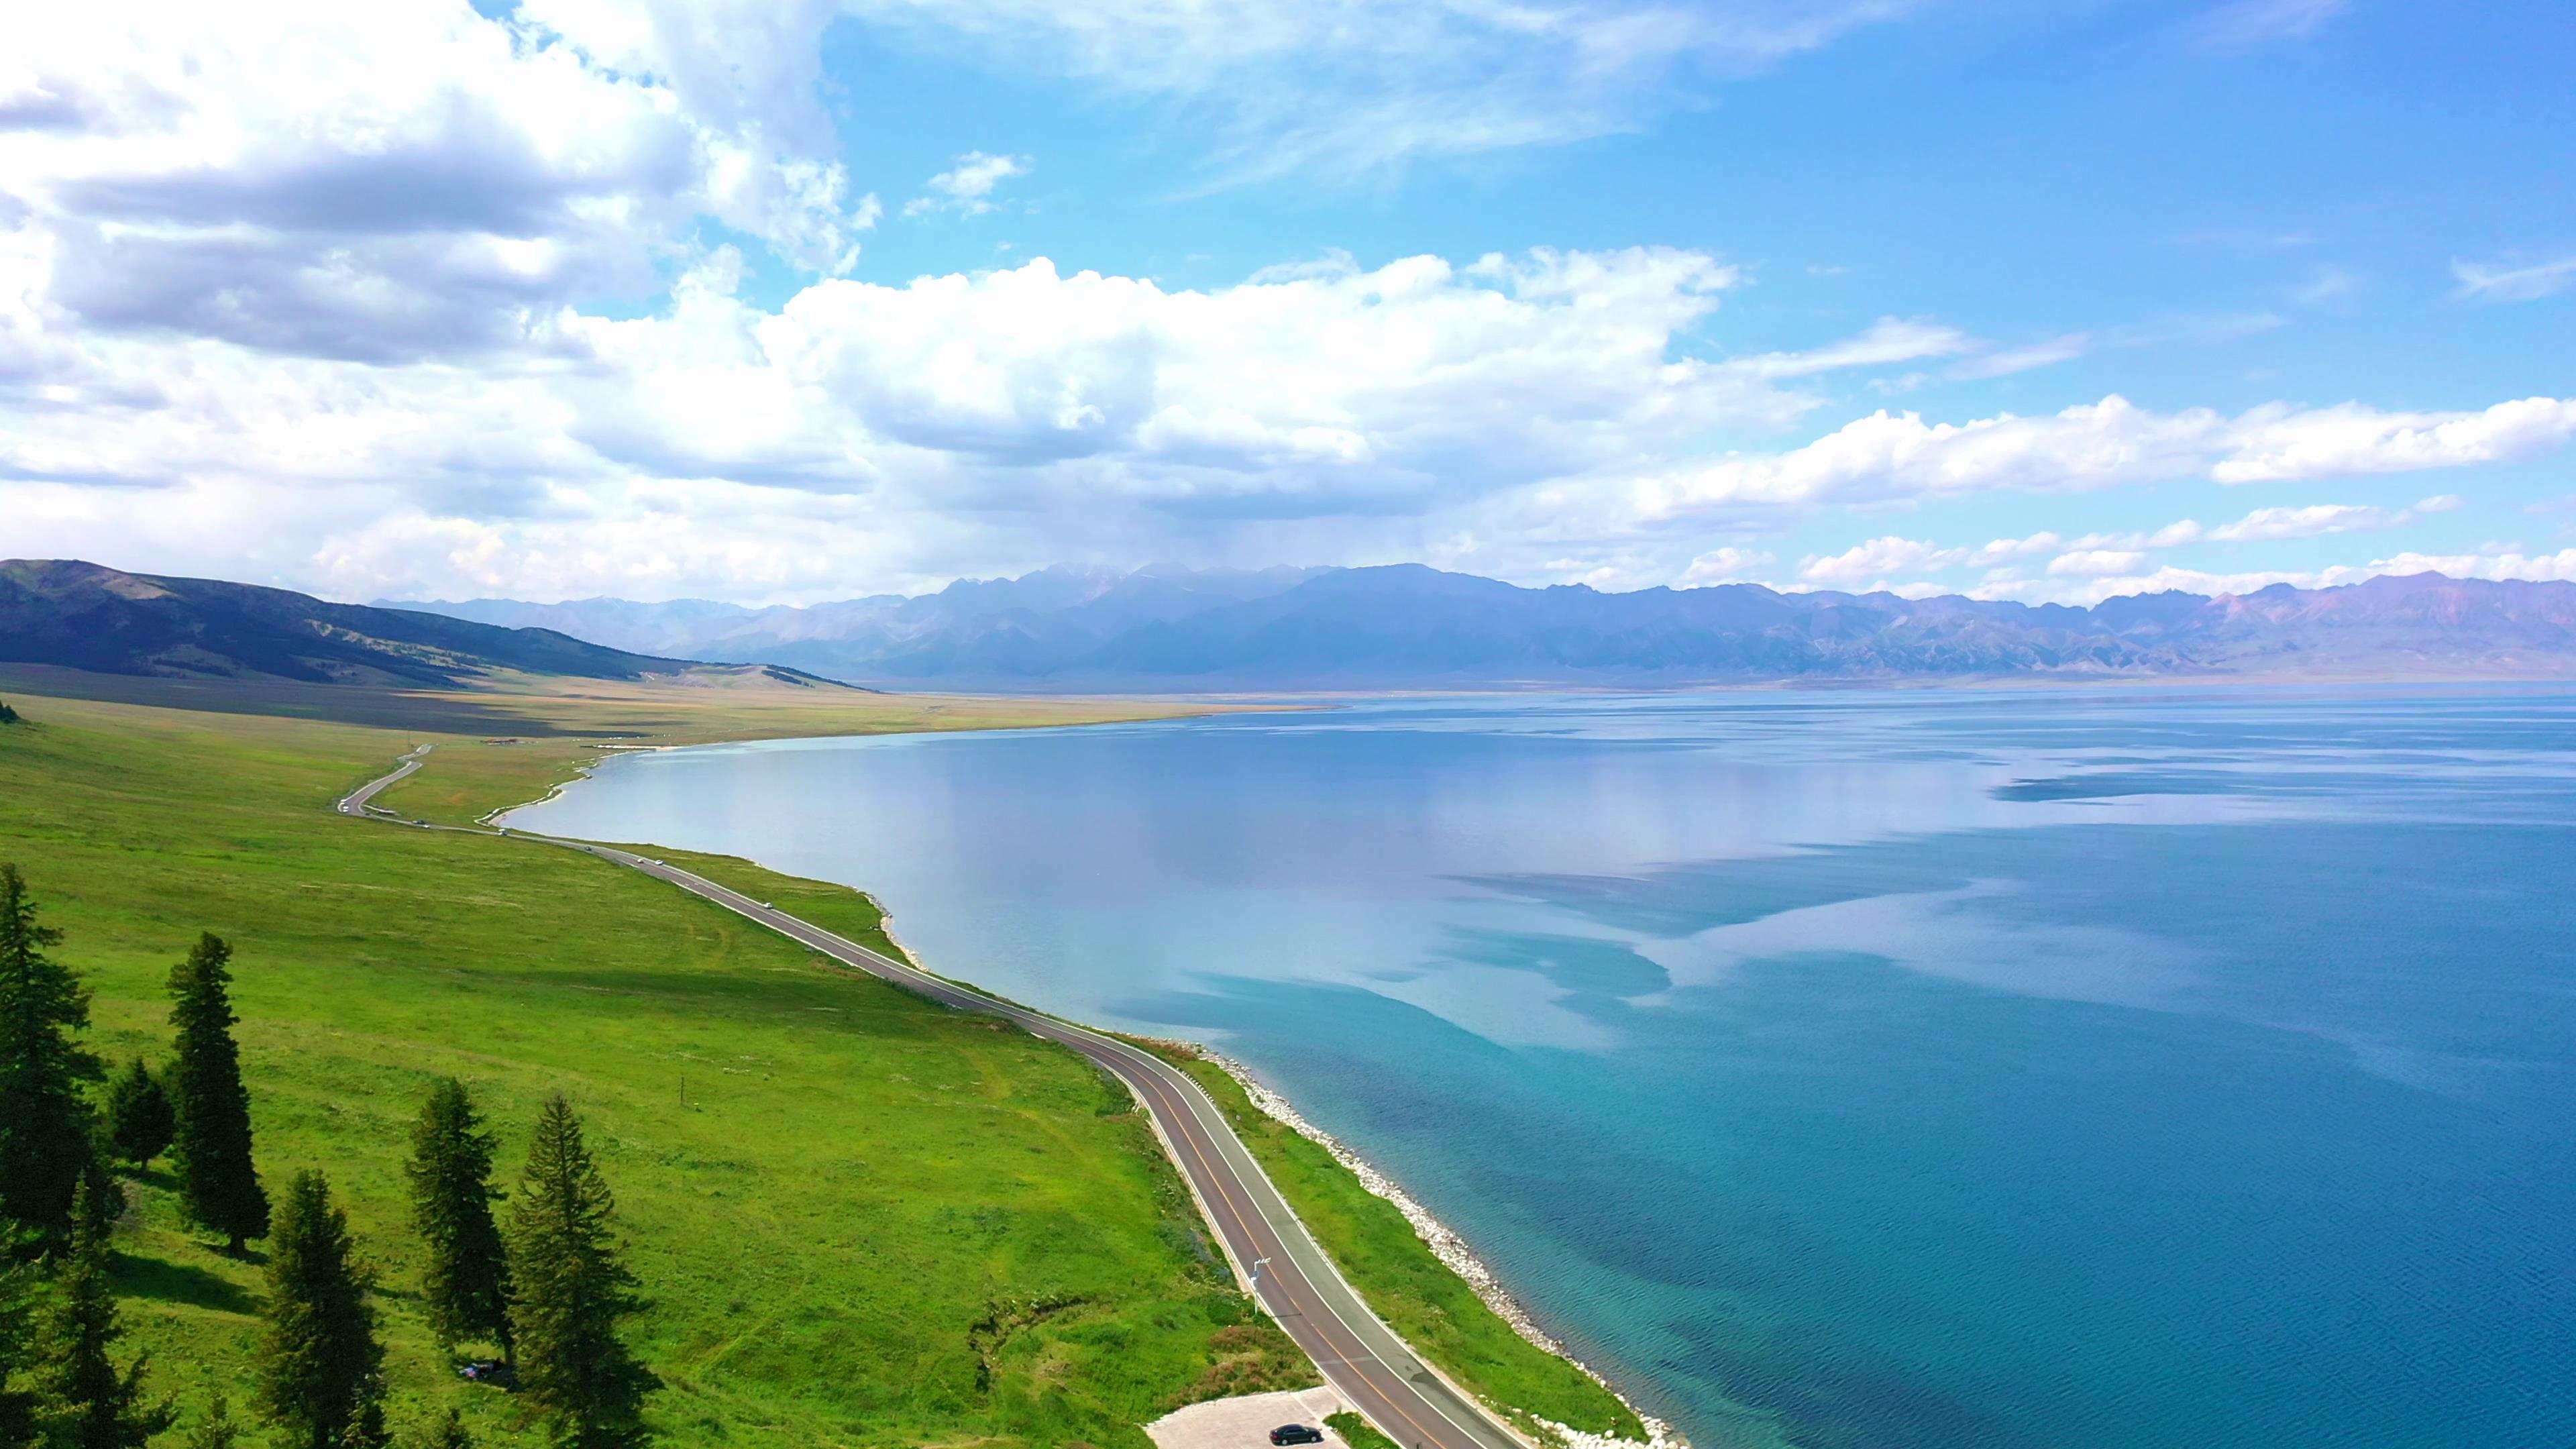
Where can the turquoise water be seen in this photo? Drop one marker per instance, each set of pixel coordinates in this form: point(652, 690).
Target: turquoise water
point(1853, 1071)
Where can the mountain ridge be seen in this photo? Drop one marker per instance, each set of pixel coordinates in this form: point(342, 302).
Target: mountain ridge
point(81, 615)
point(1409, 625)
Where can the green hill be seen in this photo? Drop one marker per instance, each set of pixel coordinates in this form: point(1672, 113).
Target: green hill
point(80, 615)
point(859, 1218)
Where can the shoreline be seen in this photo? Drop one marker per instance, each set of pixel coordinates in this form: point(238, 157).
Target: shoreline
point(1445, 1243)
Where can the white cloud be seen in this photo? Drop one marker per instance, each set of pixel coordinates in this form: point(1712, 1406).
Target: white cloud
point(968, 186)
point(2503, 564)
point(2246, 24)
point(2026, 358)
point(1722, 566)
point(1001, 420)
point(383, 182)
point(1878, 558)
point(2509, 282)
point(2277, 444)
point(1356, 85)
point(2308, 522)
point(2327, 283)
point(2495, 564)
point(1889, 340)
point(1894, 456)
point(2003, 550)
point(2090, 562)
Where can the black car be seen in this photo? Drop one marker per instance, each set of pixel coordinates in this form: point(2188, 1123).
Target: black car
point(1296, 1434)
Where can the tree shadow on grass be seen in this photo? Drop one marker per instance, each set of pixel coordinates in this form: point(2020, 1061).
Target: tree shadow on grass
point(168, 1282)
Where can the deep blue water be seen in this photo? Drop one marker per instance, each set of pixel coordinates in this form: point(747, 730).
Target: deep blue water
point(1911, 1070)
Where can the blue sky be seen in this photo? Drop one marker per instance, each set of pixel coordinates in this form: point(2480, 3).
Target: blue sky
point(800, 300)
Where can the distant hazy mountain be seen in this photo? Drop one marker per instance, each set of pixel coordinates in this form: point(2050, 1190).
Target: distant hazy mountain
point(84, 616)
point(1409, 626)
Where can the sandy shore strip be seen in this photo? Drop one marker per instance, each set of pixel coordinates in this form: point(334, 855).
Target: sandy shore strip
point(1448, 1247)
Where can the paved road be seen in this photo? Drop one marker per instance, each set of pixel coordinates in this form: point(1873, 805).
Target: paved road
point(1360, 1356)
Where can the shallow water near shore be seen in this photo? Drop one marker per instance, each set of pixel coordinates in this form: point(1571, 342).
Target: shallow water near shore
point(2112, 1069)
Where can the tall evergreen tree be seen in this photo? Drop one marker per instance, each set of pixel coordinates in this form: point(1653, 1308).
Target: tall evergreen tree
point(320, 1366)
point(139, 1122)
point(216, 1430)
point(17, 1355)
point(211, 1147)
point(83, 1400)
point(568, 1290)
point(45, 1124)
point(466, 1287)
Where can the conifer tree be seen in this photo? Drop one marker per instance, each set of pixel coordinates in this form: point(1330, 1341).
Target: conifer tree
point(320, 1365)
point(439, 1431)
point(17, 1354)
point(7, 715)
point(568, 1290)
point(83, 1400)
point(100, 1200)
point(211, 1146)
point(45, 1124)
point(216, 1430)
point(139, 1123)
point(466, 1286)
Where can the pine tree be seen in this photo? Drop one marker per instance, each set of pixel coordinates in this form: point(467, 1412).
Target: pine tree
point(100, 1200)
point(45, 1123)
point(83, 1401)
point(440, 1431)
point(215, 1431)
point(466, 1287)
point(320, 1365)
point(568, 1290)
point(7, 715)
point(211, 1147)
point(139, 1123)
point(17, 1352)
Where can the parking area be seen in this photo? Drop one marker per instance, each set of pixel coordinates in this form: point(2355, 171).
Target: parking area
point(1246, 1422)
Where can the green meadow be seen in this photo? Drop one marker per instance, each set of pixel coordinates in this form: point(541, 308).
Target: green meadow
point(859, 1218)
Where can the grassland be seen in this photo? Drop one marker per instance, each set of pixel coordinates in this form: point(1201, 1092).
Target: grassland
point(864, 1220)
point(1419, 1296)
point(860, 1219)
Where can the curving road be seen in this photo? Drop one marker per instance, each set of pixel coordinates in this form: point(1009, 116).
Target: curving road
point(1360, 1356)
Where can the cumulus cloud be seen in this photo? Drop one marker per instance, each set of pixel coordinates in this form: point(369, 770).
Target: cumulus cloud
point(386, 182)
point(1876, 559)
point(1723, 566)
point(2513, 282)
point(968, 186)
point(1896, 456)
point(2094, 562)
point(991, 420)
point(317, 293)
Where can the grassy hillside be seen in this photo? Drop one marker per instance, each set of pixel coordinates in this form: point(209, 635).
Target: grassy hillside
point(861, 1219)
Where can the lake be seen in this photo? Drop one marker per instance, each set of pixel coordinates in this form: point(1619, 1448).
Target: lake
point(2068, 1069)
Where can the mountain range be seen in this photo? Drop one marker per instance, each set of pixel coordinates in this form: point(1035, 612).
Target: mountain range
point(1409, 626)
point(79, 615)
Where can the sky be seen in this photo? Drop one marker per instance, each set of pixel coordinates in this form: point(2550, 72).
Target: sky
point(781, 301)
